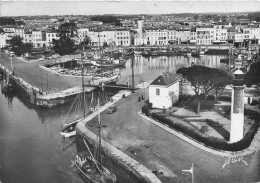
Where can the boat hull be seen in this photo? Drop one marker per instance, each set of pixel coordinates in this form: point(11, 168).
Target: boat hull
point(90, 177)
point(70, 129)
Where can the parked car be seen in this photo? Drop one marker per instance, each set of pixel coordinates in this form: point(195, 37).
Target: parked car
point(41, 59)
point(12, 54)
point(111, 109)
point(56, 56)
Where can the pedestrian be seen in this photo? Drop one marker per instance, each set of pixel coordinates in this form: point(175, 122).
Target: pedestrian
point(142, 97)
point(139, 99)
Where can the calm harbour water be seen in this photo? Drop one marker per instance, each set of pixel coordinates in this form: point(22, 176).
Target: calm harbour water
point(31, 148)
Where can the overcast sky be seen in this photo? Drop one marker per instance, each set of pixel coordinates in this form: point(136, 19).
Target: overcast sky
point(15, 8)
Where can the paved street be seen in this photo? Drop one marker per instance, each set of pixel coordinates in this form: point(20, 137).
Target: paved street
point(161, 151)
point(35, 75)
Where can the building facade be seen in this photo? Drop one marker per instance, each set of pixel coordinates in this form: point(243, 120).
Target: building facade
point(205, 36)
point(164, 91)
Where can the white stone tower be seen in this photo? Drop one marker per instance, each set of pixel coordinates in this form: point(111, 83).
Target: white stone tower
point(237, 108)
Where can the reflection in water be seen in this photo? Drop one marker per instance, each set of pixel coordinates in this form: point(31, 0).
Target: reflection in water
point(148, 68)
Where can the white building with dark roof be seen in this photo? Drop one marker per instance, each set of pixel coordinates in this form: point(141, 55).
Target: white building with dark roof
point(164, 91)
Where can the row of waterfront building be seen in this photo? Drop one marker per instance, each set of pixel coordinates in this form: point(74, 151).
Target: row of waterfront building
point(200, 35)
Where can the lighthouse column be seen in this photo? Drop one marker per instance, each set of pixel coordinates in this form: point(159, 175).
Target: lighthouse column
point(237, 114)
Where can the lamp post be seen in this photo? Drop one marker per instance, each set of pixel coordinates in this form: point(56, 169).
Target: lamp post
point(191, 170)
point(47, 82)
point(41, 81)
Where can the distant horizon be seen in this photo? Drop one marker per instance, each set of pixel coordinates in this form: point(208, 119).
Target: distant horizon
point(114, 14)
point(123, 7)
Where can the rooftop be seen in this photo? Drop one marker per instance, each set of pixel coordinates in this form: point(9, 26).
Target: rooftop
point(165, 79)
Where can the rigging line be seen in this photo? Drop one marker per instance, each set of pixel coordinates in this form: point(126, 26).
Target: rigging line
point(76, 105)
point(70, 109)
point(79, 103)
point(86, 108)
point(91, 155)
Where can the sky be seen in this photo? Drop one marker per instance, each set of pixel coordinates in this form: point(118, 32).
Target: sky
point(85, 7)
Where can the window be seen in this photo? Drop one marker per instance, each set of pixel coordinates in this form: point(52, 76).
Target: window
point(157, 91)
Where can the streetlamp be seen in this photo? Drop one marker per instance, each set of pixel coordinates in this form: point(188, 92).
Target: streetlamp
point(41, 81)
point(47, 81)
point(191, 170)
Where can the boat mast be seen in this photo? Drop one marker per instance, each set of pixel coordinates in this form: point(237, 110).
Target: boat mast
point(12, 64)
point(83, 92)
point(94, 160)
point(100, 50)
point(229, 58)
point(133, 81)
point(99, 139)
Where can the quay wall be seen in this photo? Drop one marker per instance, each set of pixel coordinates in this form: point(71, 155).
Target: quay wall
point(134, 168)
point(59, 98)
point(42, 99)
point(28, 91)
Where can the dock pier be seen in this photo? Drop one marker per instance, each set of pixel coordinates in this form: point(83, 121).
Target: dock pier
point(135, 168)
point(49, 100)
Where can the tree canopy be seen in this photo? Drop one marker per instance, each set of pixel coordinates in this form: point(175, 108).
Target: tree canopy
point(253, 76)
point(26, 47)
point(18, 47)
point(16, 44)
point(64, 46)
point(86, 41)
point(105, 19)
point(67, 30)
point(204, 79)
point(66, 33)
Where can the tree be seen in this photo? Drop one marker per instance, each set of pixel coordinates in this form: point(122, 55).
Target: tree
point(196, 17)
point(204, 79)
point(221, 79)
point(65, 45)
point(253, 76)
point(224, 18)
point(67, 30)
point(86, 41)
point(26, 48)
point(16, 44)
point(196, 75)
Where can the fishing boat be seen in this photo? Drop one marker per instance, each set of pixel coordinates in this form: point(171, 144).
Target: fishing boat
point(154, 53)
point(201, 52)
point(137, 52)
point(188, 54)
point(109, 76)
point(146, 54)
point(92, 167)
point(7, 86)
point(69, 129)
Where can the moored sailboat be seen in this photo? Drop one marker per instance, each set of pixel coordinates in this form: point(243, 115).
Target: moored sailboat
point(69, 129)
point(92, 167)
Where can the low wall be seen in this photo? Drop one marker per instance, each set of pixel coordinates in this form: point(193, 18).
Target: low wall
point(32, 93)
point(59, 98)
point(29, 91)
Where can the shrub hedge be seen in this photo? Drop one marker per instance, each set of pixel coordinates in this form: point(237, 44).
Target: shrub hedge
point(224, 98)
point(212, 142)
point(146, 108)
point(210, 97)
